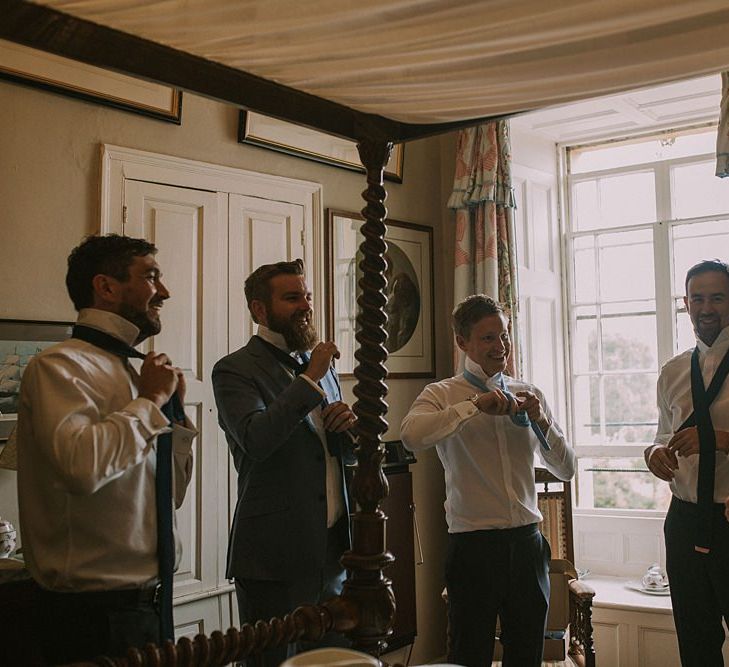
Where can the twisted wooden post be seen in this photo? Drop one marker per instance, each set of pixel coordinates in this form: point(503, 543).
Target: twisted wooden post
point(366, 609)
point(367, 588)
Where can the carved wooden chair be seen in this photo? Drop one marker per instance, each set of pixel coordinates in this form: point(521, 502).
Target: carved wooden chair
point(569, 623)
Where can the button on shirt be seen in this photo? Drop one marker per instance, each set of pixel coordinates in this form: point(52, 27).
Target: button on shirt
point(675, 405)
point(86, 466)
point(488, 460)
point(334, 497)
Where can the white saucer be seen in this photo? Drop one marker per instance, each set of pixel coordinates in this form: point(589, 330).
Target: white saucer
point(638, 586)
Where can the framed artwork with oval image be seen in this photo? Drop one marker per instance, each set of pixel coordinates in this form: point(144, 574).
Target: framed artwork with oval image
point(409, 292)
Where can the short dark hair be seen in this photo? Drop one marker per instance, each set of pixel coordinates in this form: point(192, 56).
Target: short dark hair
point(109, 255)
point(471, 310)
point(258, 285)
point(706, 266)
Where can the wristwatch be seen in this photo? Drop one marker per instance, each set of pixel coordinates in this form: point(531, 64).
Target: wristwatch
point(474, 399)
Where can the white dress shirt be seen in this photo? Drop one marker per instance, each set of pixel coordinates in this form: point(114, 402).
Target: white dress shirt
point(86, 466)
point(335, 501)
point(488, 460)
point(675, 405)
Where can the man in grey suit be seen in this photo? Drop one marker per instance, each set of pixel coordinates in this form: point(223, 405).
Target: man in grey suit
point(279, 403)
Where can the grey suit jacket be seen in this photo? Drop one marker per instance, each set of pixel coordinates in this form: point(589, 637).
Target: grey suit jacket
point(279, 530)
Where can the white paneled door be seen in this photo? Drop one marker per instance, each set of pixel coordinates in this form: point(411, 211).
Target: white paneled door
point(261, 231)
point(185, 224)
point(213, 226)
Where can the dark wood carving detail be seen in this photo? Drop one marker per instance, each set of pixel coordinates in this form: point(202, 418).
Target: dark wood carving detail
point(366, 586)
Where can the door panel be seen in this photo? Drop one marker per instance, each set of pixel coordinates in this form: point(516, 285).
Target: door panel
point(186, 227)
point(261, 231)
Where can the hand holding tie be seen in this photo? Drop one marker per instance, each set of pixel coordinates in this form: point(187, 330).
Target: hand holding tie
point(321, 360)
point(496, 402)
point(338, 417)
point(158, 379)
point(662, 462)
point(533, 407)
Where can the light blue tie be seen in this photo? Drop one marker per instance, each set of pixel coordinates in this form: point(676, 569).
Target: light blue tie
point(519, 418)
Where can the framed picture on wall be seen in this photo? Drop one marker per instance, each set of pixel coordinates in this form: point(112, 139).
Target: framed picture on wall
point(39, 69)
point(20, 341)
point(278, 135)
point(410, 332)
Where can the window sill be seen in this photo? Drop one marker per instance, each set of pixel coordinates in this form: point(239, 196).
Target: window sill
point(611, 593)
point(606, 512)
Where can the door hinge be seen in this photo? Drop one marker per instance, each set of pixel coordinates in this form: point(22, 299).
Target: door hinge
point(124, 219)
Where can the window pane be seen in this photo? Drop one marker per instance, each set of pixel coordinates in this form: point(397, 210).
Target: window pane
point(668, 146)
point(584, 274)
point(586, 406)
point(684, 329)
point(584, 341)
point(694, 242)
point(626, 266)
point(586, 213)
point(697, 191)
point(615, 201)
point(621, 483)
point(631, 414)
point(629, 342)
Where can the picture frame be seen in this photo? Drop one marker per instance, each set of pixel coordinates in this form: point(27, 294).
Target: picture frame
point(31, 67)
point(292, 139)
point(410, 326)
point(20, 341)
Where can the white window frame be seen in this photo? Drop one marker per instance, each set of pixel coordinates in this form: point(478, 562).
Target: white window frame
point(664, 297)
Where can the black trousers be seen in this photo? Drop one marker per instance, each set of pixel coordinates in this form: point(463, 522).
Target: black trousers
point(497, 572)
point(81, 626)
point(258, 599)
point(699, 584)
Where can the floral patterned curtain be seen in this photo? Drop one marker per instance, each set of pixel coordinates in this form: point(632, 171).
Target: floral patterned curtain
point(485, 253)
point(722, 140)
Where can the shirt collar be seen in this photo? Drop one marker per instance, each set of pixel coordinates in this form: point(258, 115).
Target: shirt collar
point(721, 344)
point(490, 380)
point(110, 323)
point(273, 337)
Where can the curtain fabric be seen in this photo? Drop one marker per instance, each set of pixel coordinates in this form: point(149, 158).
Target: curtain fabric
point(722, 139)
point(483, 199)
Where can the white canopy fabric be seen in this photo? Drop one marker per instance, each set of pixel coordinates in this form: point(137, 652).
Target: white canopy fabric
point(432, 61)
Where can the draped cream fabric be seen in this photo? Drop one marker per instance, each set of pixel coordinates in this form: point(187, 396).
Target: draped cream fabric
point(424, 61)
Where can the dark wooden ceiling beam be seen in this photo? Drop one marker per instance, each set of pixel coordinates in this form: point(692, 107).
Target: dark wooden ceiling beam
point(49, 30)
point(46, 29)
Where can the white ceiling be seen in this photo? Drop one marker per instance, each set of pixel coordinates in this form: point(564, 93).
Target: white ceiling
point(667, 106)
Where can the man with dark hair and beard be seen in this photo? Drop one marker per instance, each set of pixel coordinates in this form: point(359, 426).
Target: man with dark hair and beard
point(279, 403)
point(90, 433)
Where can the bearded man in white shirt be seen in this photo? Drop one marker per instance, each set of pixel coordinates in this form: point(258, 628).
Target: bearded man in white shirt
point(497, 561)
point(88, 430)
point(697, 528)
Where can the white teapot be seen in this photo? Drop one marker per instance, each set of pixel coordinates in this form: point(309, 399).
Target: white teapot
point(655, 578)
point(8, 540)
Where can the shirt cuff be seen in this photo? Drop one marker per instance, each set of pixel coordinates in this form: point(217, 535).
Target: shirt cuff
point(151, 418)
point(466, 409)
point(313, 384)
point(182, 438)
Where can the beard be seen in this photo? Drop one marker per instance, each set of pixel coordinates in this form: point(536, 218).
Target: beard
point(147, 321)
point(298, 331)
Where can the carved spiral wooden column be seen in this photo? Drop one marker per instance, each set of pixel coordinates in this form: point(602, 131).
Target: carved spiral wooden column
point(367, 587)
